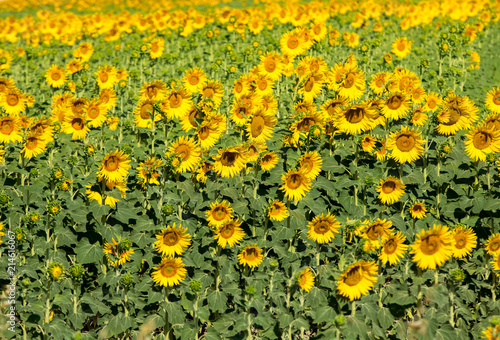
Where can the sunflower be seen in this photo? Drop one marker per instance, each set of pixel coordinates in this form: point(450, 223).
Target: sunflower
point(84, 52)
point(172, 241)
point(333, 106)
point(406, 145)
point(96, 113)
point(312, 86)
point(378, 83)
point(73, 66)
point(377, 231)
point(390, 189)
point(433, 247)
point(396, 106)
point(355, 119)
point(322, 228)
point(277, 211)
point(432, 101)
point(13, 101)
point(251, 256)
point(106, 77)
point(219, 213)
point(302, 124)
point(418, 210)
point(112, 123)
point(229, 233)
point(208, 135)
point(169, 272)
point(357, 280)
point(118, 253)
point(368, 143)
point(108, 98)
point(418, 116)
point(42, 128)
point(154, 90)
point(353, 84)
point(214, 91)
point(292, 44)
point(33, 146)
point(493, 100)
point(9, 130)
point(496, 264)
point(305, 279)
point(156, 48)
point(188, 151)
point(260, 126)
point(55, 76)
point(381, 152)
point(458, 113)
point(401, 47)
point(491, 332)
point(56, 271)
point(114, 166)
point(311, 163)
point(143, 114)
point(465, 241)
point(493, 244)
point(147, 171)
point(271, 65)
point(492, 122)
point(393, 248)
point(295, 184)
point(194, 79)
point(229, 161)
point(268, 161)
point(481, 141)
point(75, 125)
point(179, 102)
point(95, 192)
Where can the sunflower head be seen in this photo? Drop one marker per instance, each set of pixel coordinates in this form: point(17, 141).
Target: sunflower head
point(251, 256)
point(56, 271)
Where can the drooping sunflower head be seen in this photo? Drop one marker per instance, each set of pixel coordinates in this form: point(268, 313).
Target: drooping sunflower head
point(251, 256)
point(433, 247)
point(322, 228)
point(172, 241)
point(465, 241)
point(390, 190)
point(154, 90)
point(118, 252)
point(357, 280)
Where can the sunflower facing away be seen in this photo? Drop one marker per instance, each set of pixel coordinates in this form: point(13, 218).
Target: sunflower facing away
point(295, 184)
point(188, 152)
point(406, 145)
point(481, 141)
point(172, 241)
point(393, 248)
point(465, 241)
point(114, 166)
point(418, 210)
point(277, 211)
point(357, 280)
point(390, 190)
point(432, 247)
point(169, 272)
point(305, 279)
point(229, 233)
point(251, 256)
point(219, 213)
point(493, 244)
point(322, 228)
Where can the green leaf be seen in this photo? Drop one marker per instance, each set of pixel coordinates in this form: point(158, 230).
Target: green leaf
point(88, 253)
point(316, 297)
point(324, 314)
point(118, 324)
point(95, 305)
point(385, 318)
point(217, 301)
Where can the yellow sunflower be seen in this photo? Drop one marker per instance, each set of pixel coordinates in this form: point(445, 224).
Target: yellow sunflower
point(333, 106)
point(208, 135)
point(194, 79)
point(322, 229)
point(143, 114)
point(229, 161)
point(292, 44)
point(169, 272)
point(214, 91)
point(305, 279)
point(493, 244)
point(432, 101)
point(263, 86)
point(55, 76)
point(481, 141)
point(118, 253)
point(229, 233)
point(357, 280)
point(465, 241)
point(433, 247)
point(393, 248)
point(13, 101)
point(96, 113)
point(418, 210)
point(401, 47)
point(156, 48)
point(106, 77)
point(406, 145)
point(458, 113)
point(260, 126)
point(355, 119)
point(108, 98)
point(312, 86)
point(271, 65)
point(311, 163)
point(390, 190)
point(295, 184)
point(10, 130)
point(33, 146)
point(377, 231)
point(219, 213)
point(147, 171)
point(188, 151)
point(277, 211)
point(493, 100)
point(496, 265)
point(154, 90)
point(396, 106)
point(368, 143)
point(251, 256)
point(75, 124)
point(268, 161)
point(418, 116)
point(114, 166)
point(353, 84)
point(84, 52)
point(378, 83)
point(179, 102)
point(492, 122)
point(172, 241)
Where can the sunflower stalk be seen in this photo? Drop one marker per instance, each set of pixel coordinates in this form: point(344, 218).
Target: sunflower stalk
point(452, 313)
point(167, 327)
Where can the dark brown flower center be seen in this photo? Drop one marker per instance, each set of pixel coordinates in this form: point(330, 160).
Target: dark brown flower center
point(353, 277)
point(482, 140)
point(171, 238)
point(294, 181)
point(405, 142)
point(388, 187)
point(430, 245)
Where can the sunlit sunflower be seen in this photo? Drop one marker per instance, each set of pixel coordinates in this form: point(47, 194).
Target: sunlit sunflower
point(492, 122)
point(496, 265)
point(219, 213)
point(84, 51)
point(208, 135)
point(401, 47)
point(33, 146)
point(13, 101)
point(292, 44)
point(390, 190)
point(481, 141)
point(118, 252)
point(55, 76)
point(74, 66)
point(302, 124)
point(465, 241)
point(229, 161)
point(368, 143)
point(96, 113)
point(6, 84)
point(393, 248)
point(156, 48)
point(353, 84)
point(357, 280)
point(380, 151)
point(378, 83)
point(147, 171)
point(108, 98)
point(322, 229)
point(10, 130)
point(229, 233)
point(418, 116)
point(311, 163)
point(312, 86)
point(188, 151)
point(214, 91)
point(418, 210)
point(355, 119)
point(305, 279)
point(377, 231)
point(260, 126)
point(493, 244)
point(432, 247)
point(458, 113)
point(271, 65)
point(169, 272)
point(154, 90)
point(143, 114)
point(179, 102)
point(251, 256)
point(75, 125)
point(333, 106)
point(114, 166)
point(172, 241)
point(277, 211)
point(432, 101)
point(268, 161)
point(106, 77)
point(295, 184)
point(194, 79)
point(406, 145)
point(396, 106)
point(493, 100)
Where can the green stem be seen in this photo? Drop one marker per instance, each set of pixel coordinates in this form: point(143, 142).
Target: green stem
point(353, 308)
point(167, 327)
point(452, 316)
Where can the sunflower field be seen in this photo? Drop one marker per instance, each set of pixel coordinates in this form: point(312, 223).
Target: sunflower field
point(253, 169)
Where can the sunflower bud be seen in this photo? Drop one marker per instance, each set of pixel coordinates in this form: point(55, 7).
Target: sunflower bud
point(340, 321)
point(126, 280)
point(76, 272)
point(77, 336)
point(274, 263)
point(127, 149)
point(34, 173)
point(440, 83)
point(195, 286)
point(54, 208)
point(495, 320)
point(167, 210)
point(490, 158)
point(26, 282)
point(20, 235)
point(34, 217)
point(4, 199)
point(369, 180)
point(424, 63)
point(457, 275)
point(90, 150)
point(57, 173)
point(251, 290)
point(56, 271)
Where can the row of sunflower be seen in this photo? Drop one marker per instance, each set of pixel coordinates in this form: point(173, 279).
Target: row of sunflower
point(278, 193)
